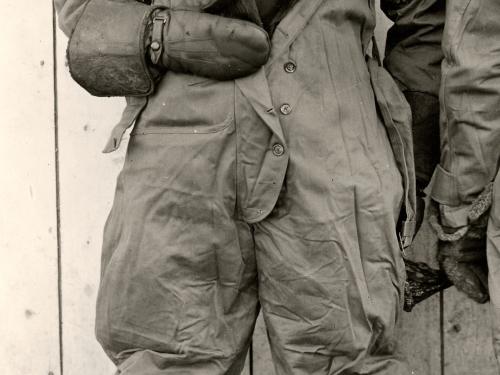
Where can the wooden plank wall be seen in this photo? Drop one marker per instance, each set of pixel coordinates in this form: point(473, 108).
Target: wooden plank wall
point(56, 189)
point(29, 324)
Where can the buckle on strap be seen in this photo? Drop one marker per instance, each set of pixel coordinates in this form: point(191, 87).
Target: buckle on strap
point(156, 45)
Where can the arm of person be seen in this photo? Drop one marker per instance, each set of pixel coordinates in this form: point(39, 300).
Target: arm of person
point(121, 47)
point(470, 139)
point(68, 11)
point(470, 104)
point(413, 51)
point(413, 57)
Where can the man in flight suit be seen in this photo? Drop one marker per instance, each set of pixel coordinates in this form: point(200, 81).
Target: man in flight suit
point(270, 166)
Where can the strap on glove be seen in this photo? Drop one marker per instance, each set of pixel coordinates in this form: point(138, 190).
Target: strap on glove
point(207, 45)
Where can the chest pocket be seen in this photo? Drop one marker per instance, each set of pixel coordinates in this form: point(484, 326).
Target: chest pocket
point(185, 104)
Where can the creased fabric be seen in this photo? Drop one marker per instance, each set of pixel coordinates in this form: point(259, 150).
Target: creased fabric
point(470, 126)
point(281, 190)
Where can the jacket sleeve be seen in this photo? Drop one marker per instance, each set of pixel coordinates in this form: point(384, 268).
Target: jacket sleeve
point(470, 107)
point(69, 11)
point(413, 51)
point(413, 57)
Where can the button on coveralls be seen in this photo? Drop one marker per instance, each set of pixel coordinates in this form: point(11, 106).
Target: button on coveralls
point(279, 190)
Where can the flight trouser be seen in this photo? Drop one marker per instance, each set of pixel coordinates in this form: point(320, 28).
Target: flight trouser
point(183, 274)
point(278, 191)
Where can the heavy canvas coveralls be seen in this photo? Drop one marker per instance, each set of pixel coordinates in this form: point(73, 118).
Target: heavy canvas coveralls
point(283, 190)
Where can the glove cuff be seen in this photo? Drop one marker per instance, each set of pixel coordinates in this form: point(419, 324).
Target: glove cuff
point(477, 218)
point(481, 204)
point(107, 50)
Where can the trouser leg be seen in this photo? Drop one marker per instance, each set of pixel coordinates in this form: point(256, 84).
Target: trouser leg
point(178, 293)
point(331, 282)
point(322, 316)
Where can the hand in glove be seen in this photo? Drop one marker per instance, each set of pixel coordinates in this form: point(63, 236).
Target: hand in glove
point(207, 45)
point(109, 47)
point(462, 251)
point(464, 262)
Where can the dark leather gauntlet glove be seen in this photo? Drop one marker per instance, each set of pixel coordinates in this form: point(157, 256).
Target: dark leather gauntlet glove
point(109, 49)
point(462, 251)
point(207, 45)
point(464, 262)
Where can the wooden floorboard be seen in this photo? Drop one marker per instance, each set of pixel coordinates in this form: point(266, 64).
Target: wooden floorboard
point(420, 337)
point(467, 337)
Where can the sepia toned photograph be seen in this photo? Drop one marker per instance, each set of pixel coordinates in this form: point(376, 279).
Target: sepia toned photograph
point(250, 187)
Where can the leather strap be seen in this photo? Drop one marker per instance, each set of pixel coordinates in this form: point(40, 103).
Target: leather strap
point(160, 21)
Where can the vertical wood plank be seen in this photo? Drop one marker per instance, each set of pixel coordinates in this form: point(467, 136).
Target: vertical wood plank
point(420, 336)
point(467, 337)
point(246, 370)
point(28, 227)
point(263, 364)
point(87, 180)
point(383, 24)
